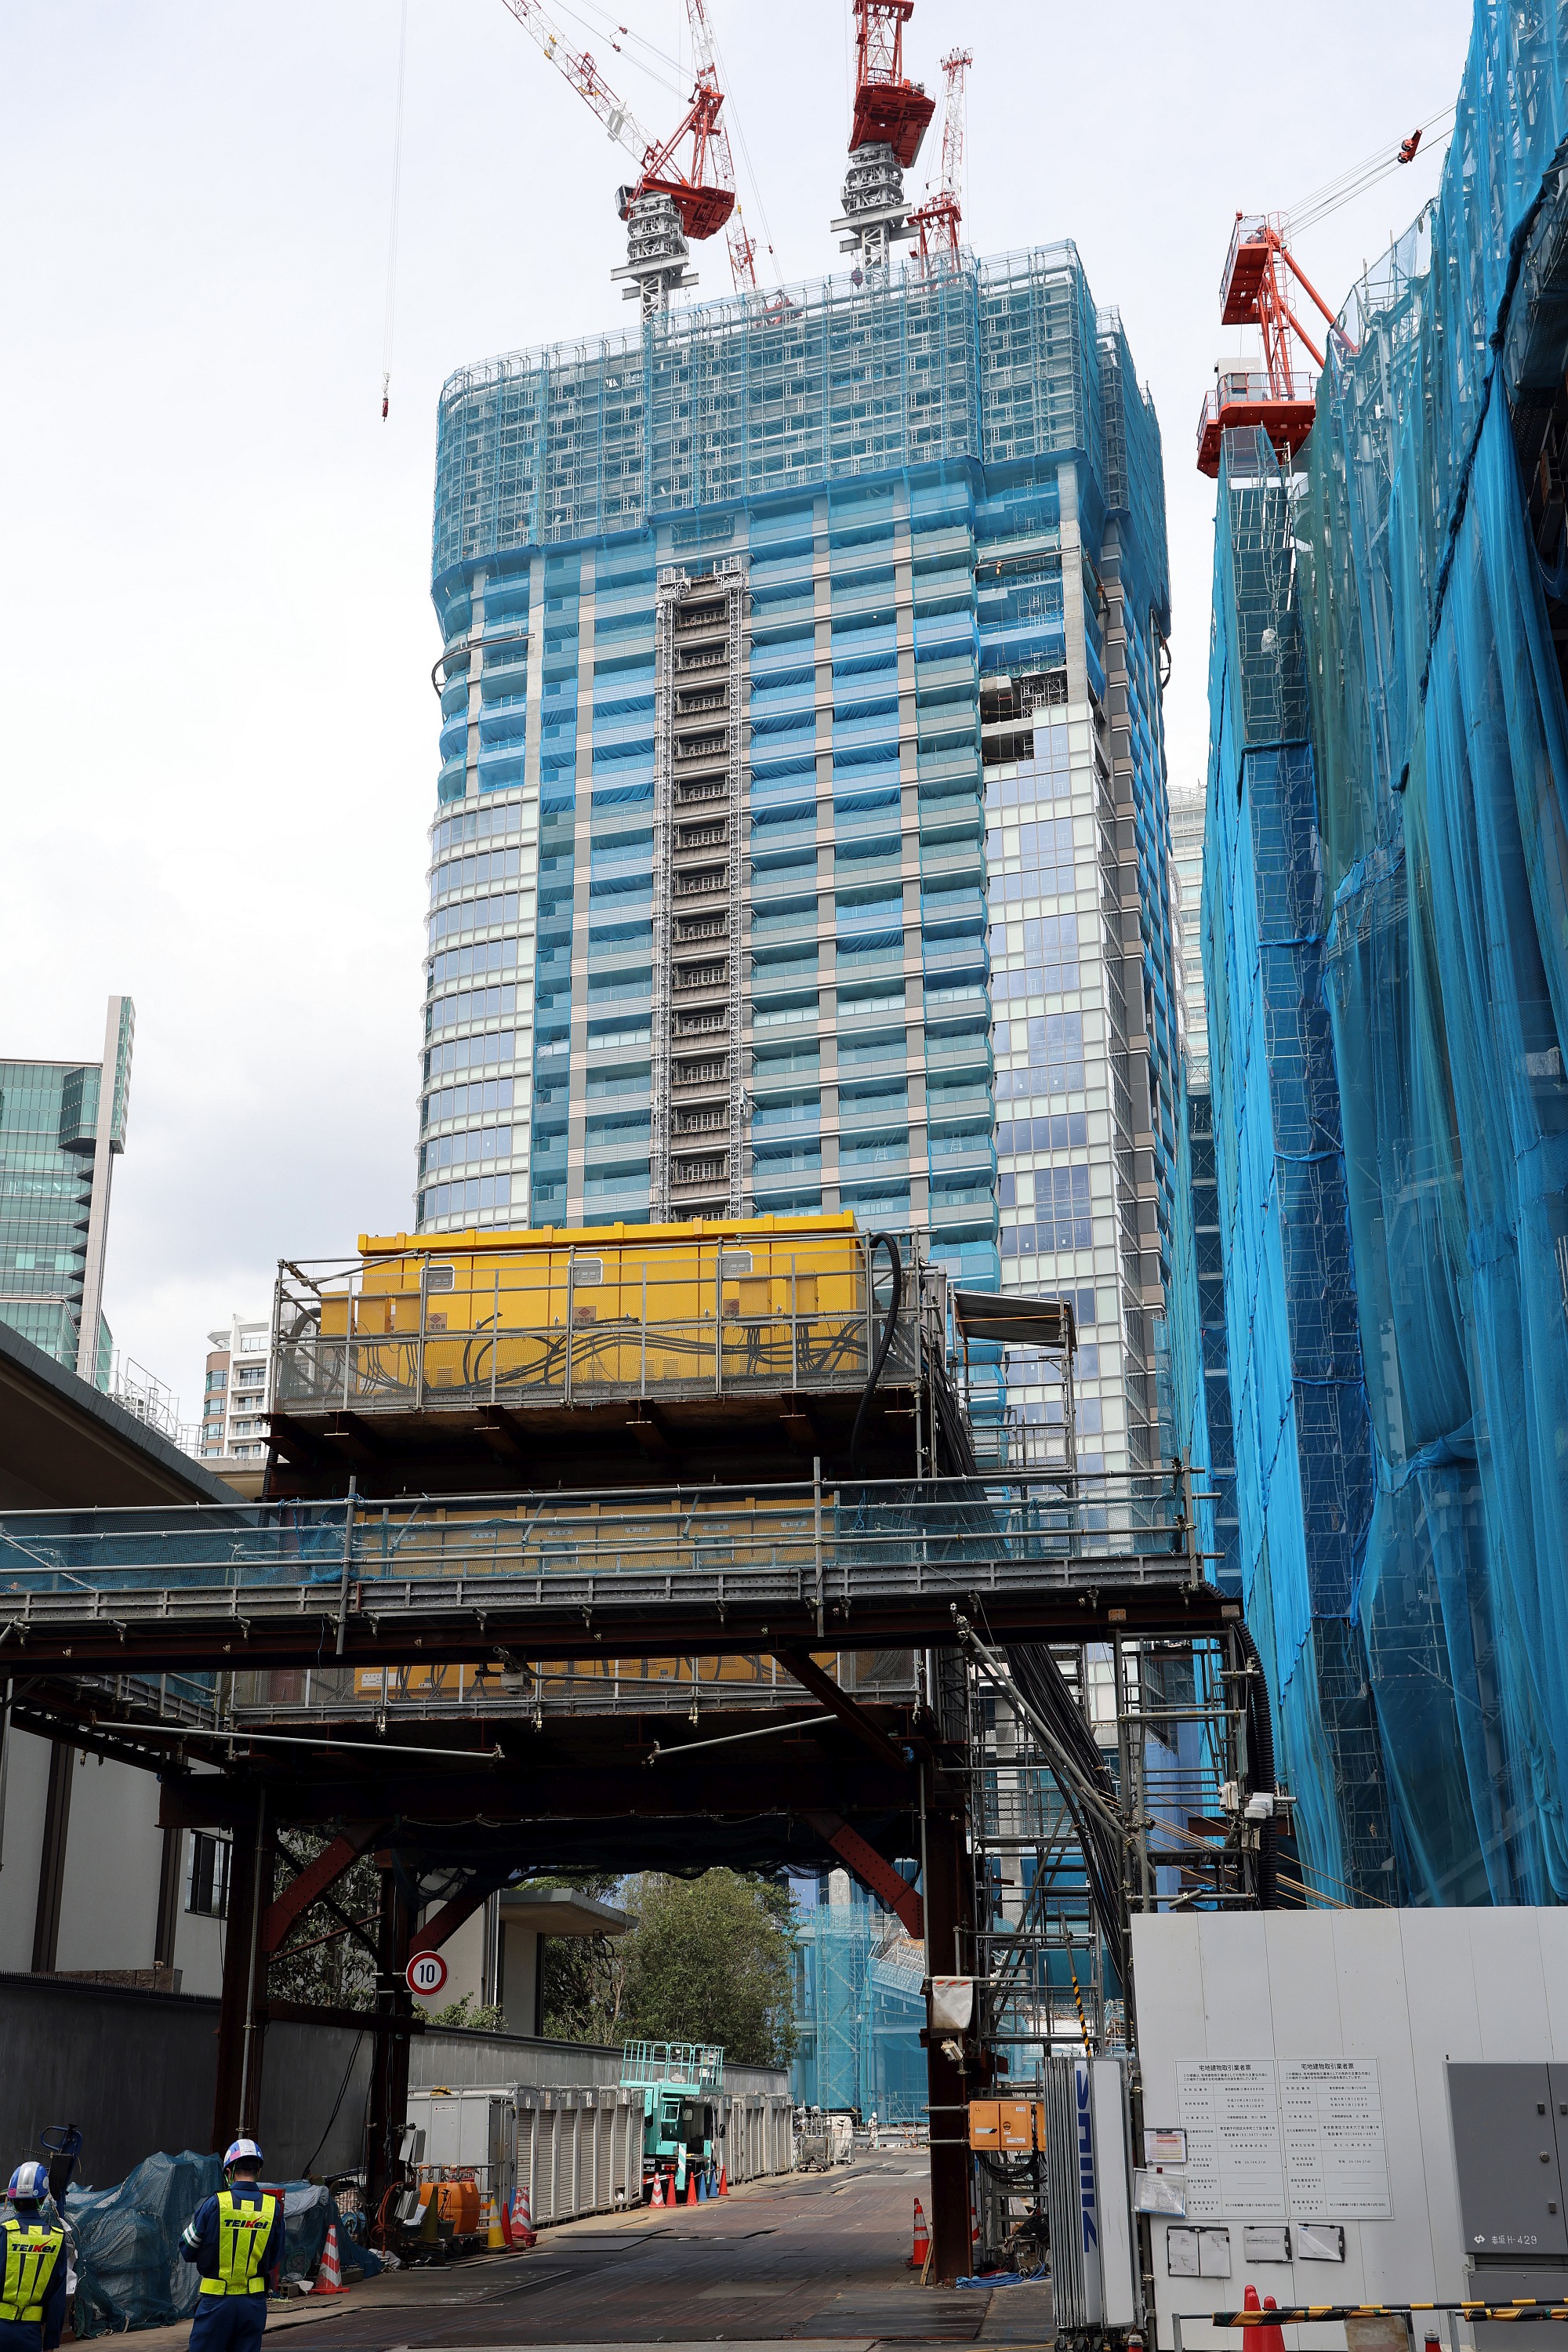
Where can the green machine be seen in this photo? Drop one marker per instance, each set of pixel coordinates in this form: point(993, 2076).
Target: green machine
point(682, 2087)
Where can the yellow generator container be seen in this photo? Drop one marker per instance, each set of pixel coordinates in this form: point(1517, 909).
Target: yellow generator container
point(565, 1314)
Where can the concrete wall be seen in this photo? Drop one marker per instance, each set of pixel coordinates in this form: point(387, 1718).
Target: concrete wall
point(137, 2071)
point(114, 1851)
point(21, 1847)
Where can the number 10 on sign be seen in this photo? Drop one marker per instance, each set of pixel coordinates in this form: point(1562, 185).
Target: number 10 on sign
point(427, 1973)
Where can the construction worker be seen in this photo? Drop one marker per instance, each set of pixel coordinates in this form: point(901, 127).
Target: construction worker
point(33, 2290)
point(234, 2239)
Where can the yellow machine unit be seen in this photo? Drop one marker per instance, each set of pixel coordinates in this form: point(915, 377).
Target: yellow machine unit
point(623, 1306)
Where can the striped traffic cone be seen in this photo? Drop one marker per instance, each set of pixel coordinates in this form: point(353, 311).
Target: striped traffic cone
point(523, 2231)
point(330, 2277)
point(921, 2246)
point(490, 2223)
point(657, 2196)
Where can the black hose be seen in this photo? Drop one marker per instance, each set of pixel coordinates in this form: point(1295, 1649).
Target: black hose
point(873, 1243)
point(332, 2119)
point(1260, 1757)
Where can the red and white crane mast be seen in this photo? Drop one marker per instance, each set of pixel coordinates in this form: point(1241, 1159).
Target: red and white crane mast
point(936, 222)
point(889, 120)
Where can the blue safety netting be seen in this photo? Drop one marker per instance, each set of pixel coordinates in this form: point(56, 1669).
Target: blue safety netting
point(1417, 563)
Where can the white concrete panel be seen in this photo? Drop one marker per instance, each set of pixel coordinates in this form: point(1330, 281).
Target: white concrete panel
point(1552, 1929)
point(27, 1788)
point(1409, 1990)
point(198, 1940)
point(1303, 1975)
point(464, 1953)
point(1513, 2011)
point(1170, 2003)
point(1238, 2000)
point(109, 1908)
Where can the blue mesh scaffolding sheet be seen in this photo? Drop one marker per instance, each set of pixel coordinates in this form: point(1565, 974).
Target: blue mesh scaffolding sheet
point(1302, 1447)
point(1443, 750)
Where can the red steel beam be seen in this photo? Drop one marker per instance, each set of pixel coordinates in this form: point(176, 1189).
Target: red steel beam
point(886, 1884)
point(451, 1915)
point(314, 1880)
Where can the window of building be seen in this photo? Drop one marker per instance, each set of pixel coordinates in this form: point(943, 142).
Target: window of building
point(206, 1876)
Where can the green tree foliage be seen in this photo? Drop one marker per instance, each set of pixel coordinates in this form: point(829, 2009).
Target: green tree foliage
point(713, 1962)
point(709, 1960)
point(475, 2016)
point(585, 1976)
point(323, 1962)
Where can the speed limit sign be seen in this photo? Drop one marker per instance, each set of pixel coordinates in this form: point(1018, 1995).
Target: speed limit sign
point(427, 1973)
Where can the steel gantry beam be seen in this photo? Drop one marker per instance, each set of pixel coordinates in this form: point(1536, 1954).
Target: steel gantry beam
point(711, 1570)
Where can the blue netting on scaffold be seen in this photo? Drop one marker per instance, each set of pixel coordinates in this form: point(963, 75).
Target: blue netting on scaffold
point(1419, 544)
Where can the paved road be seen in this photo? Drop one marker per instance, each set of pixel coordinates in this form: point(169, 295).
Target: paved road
point(814, 2259)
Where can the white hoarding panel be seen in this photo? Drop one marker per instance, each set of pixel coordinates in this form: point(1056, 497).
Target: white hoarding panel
point(1304, 2055)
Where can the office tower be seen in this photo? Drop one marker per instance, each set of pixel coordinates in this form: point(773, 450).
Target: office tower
point(802, 835)
point(1186, 907)
point(61, 1126)
point(1186, 900)
point(237, 1391)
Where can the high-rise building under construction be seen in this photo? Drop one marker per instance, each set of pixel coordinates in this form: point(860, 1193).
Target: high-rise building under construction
point(802, 834)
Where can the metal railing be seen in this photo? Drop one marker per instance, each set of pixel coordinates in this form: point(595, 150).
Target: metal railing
point(520, 1334)
point(692, 1688)
point(637, 1554)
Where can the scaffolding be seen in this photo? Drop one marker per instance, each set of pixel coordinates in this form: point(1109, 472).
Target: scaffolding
point(1391, 618)
point(996, 361)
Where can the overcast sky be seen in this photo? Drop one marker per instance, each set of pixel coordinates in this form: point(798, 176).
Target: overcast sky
point(217, 735)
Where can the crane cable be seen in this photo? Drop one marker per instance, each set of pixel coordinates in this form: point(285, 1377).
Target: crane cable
point(1320, 202)
point(392, 238)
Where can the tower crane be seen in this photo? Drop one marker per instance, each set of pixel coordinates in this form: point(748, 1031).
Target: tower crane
point(670, 201)
point(889, 120)
point(936, 221)
point(1254, 292)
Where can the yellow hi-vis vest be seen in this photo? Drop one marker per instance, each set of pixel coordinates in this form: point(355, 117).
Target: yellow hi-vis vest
point(241, 2234)
point(31, 2253)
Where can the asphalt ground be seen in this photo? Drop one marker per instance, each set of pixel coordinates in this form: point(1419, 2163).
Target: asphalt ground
point(811, 2260)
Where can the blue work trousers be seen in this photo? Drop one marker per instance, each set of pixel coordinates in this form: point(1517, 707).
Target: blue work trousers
point(228, 2323)
point(21, 2334)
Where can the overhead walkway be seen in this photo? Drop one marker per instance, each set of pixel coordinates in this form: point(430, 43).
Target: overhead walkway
point(713, 1569)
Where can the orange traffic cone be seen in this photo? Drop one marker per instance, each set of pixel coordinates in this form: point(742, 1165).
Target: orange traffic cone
point(691, 2188)
point(657, 2196)
point(1261, 2339)
point(921, 2247)
point(723, 2182)
point(330, 2277)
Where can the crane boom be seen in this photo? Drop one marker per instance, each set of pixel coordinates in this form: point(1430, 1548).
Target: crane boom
point(743, 248)
point(580, 70)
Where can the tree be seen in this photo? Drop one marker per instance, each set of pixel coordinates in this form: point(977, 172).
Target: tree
point(585, 1976)
point(712, 1960)
point(329, 1959)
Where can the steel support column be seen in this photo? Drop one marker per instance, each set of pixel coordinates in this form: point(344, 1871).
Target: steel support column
point(949, 1933)
point(242, 2011)
point(389, 2066)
